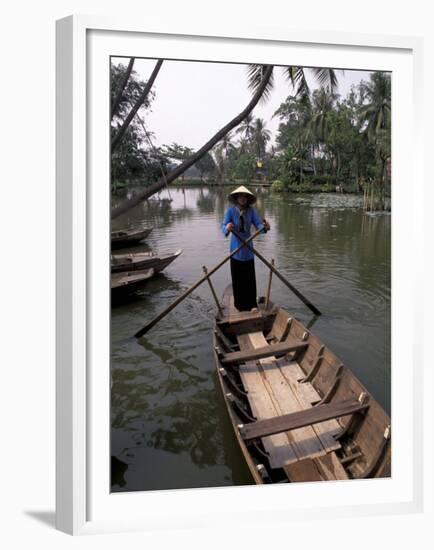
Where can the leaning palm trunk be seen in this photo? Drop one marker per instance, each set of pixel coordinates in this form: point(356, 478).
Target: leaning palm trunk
point(122, 85)
point(117, 138)
point(171, 176)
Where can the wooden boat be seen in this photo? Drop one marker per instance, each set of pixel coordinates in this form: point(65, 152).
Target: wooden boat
point(126, 283)
point(142, 260)
point(298, 413)
point(128, 237)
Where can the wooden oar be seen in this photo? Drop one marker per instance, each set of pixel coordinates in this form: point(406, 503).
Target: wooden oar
point(147, 327)
point(267, 298)
point(281, 277)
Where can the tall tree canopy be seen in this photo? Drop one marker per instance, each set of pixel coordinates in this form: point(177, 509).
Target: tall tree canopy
point(134, 156)
point(325, 139)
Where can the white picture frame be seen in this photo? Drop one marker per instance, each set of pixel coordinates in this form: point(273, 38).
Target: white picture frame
point(83, 501)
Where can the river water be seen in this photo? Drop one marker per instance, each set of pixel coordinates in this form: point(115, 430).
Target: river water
point(169, 422)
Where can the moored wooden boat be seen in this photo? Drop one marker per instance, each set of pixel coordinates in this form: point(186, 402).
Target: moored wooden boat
point(298, 413)
point(128, 237)
point(142, 260)
point(127, 283)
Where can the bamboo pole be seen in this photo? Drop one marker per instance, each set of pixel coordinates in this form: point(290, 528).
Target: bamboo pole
point(267, 300)
point(158, 318)
point(281, 277)
point(213, 291)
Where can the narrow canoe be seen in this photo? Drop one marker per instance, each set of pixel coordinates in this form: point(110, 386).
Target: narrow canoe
point(128, 237)
point(298, 413)
point(142, 260)
point(126, 283)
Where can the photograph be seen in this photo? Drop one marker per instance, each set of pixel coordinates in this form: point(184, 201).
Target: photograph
point(250, 258)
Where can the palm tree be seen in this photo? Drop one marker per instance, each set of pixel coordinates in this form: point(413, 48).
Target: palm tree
point(220, 155)
point(142, 98)
point(326, 78)
point(246, 127)
point(376, 114)
point(260, 137)
point(243, 146)
point(260, 81)
point(296, 112)
point(120, 89)
point(322, 108)
point(319, 126)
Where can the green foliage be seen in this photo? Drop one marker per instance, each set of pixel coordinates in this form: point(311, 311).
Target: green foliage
point(134, 159)
point(310, 187)
point(324, 179)
point(377, 111)
point(177, 152)
point(324, 141)
point(260, 137)
point(327, 188)
point(206, 166)
point(278, 186)
point(244, 167)
point(130, 95)
point(326, 78)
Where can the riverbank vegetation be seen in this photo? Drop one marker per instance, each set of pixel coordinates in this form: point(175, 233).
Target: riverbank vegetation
point(324, 142)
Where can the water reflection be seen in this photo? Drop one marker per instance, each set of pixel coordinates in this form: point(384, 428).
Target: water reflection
point(205, 202)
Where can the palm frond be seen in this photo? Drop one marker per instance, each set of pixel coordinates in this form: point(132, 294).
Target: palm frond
point(376, 114)
point(298, 80)
point(326, 78)
point(255, 74)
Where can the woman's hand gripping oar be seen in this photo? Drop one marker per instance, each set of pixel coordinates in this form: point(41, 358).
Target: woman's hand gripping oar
point(281, 277)
point(147, 327)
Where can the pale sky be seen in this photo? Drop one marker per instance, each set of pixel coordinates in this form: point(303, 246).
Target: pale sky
point(195, 99)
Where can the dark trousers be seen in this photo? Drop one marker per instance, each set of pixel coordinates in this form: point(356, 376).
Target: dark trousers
point(244, 284)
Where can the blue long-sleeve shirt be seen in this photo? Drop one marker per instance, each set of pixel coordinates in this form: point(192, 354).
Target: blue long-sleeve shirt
point(232, 214)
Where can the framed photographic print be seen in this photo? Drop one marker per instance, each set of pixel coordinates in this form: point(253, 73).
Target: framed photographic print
point(234, 275)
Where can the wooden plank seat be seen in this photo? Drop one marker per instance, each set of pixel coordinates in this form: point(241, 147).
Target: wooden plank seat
point(237, 317)
point(274, 350)
point(233, 317)
point(273, 390)
point(242, 322)
point(299, 419)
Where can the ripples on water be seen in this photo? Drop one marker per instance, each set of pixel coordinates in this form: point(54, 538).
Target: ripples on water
point(169, 423)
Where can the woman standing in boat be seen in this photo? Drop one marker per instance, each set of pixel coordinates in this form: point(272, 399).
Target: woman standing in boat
point(240, 216)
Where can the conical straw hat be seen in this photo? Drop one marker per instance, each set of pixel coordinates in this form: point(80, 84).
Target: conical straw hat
point(244, 190)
